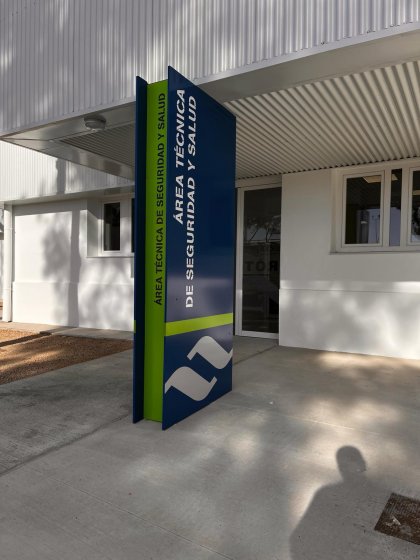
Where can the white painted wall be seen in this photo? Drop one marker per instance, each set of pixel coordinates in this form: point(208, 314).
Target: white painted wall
point(55, 282)
point(1, 265)
point(366, 303)
point(1, 252)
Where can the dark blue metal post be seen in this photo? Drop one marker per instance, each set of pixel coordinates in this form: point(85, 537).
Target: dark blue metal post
point(139, 248)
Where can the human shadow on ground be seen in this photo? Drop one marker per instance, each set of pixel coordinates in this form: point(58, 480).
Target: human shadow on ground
point(339, 522)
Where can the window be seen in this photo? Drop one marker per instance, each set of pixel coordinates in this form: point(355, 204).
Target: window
point(112, 226)
point(363, 209)
point(133, 214)
point(379, 209)
point(116, 235)
point(395, 208)
point(415, 207)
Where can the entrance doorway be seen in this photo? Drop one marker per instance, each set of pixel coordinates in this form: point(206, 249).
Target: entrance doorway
point(258, 261)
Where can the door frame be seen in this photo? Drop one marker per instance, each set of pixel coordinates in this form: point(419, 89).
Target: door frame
point(239, 259)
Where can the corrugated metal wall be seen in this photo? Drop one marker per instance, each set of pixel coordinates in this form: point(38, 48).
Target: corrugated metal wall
point(29, 174)
point(36, 60)
point(62, 56)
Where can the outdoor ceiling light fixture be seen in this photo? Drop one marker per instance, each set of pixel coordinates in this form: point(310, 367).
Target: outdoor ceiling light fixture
point(95, 122)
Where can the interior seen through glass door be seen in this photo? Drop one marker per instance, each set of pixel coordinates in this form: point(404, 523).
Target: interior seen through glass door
point(261, 260)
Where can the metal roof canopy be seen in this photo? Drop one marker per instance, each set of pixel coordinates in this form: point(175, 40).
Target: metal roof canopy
point(359, 118)
point(309, 112)
point(110, 150)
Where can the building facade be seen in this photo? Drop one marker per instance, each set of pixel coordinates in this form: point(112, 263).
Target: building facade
point(327, 100)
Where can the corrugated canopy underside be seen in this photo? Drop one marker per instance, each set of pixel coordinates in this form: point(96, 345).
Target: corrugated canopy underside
point(360, 118)
point(115, 144)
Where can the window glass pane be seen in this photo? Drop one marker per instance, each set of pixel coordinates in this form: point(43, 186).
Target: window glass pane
point(112, 222)
point(132, 225)
point(395, 211)
point(363, 209)
point(261, 260)
point(415, 208)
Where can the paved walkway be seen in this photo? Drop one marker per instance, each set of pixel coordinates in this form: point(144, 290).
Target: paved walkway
point(50, 410)
point(296, 463)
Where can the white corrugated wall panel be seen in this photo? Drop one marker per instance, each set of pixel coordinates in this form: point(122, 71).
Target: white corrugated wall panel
point(27, 174)
point(63, 56)
point(360, 118)
point(201, 37)
point(111, 42)
point(36, 61)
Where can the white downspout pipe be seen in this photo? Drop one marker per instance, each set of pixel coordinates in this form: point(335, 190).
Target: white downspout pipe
point(7, 262)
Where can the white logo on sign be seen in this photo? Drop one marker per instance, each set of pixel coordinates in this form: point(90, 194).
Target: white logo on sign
point(188, 381)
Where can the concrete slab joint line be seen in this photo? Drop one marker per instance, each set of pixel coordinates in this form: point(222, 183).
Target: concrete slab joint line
point(59, 446)
point(274, 345)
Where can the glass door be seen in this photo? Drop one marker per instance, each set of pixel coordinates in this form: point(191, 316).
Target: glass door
point(258, 261)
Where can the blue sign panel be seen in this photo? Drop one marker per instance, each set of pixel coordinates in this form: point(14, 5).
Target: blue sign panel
point(198, 371)
point(200, 223)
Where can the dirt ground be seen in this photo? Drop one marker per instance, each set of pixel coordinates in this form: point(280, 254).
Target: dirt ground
point(24, 354)
point(8, 337)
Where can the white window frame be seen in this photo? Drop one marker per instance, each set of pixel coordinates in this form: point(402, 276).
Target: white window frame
point(125, 226)
point(340, 177)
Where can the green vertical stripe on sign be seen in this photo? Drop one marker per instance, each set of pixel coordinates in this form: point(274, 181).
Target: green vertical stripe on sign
point(157, 98)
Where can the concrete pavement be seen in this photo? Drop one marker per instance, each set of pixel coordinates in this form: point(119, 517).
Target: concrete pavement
point(50, 410)
point(296, 463)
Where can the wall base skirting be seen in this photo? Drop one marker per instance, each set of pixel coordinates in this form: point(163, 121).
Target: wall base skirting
point(93, 305)
point(381, 324)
